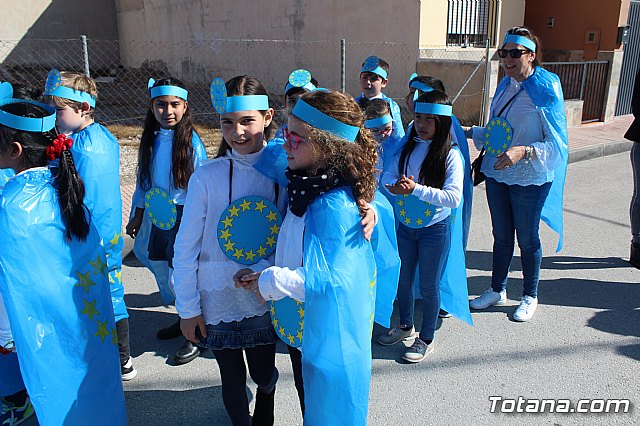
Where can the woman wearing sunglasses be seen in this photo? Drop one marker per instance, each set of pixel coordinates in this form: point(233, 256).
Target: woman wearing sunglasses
point(526, 152)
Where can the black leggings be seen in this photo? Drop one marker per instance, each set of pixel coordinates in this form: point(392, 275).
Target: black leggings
point(262, 369)
point(296, 364)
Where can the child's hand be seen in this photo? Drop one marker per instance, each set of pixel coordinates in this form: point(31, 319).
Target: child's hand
point(191, 326)
point(250, 283)
point(404, 185)
point(133, 227)
point(368, 221)
point(238, 276)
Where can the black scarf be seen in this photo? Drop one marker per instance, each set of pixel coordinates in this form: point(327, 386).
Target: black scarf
point(303, 189)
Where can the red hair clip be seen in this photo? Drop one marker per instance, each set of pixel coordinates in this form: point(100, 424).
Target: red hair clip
point(58, 145)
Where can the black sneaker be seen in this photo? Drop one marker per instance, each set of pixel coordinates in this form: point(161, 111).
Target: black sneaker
point(170, 332)
point(418, 351)
point(127, 370)
point(443, 314)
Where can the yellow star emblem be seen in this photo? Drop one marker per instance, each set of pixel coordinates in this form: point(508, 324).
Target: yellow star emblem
point(408, 221)
point(419, 222)
point(250, 255)
point(155, 221)
point(174, 210)
point(262, 251)
point(164, 195)
point(504, 146)
point(84, 281)
point(301, 324)
point(148, 195)
point(401, 203)
point(225, 234)
point(238, 254)
point(272, 216)
point(291, 338)
point(147, 205)
point(118, 275)
point(273, 310)
point(246, 205)
point(90, 309)
point(102, 330)
point(229, 245)
point(508, 137)
point(98, 265)
point(233, 211)
point(504, 124)
point(271, 241)
point(301, 311)
point(260, 206)
point(281, 331)
point(150, 214)
point(116, 238)
point(274, 229)
point(275, 323)
point(228, 222)
point(403, 212)
point(428, 213)
point(299, 335)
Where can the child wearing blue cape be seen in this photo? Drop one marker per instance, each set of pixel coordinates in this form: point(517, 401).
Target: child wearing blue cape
point(374, 76)
point(231, 218)
point(293, 91)
point(427, 180)
point(323, 259)
point(96, 154)
point(378, 120)
point(53, 278)
point(170, 151)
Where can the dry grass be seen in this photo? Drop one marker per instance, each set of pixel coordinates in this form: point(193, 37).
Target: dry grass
point(129, 135)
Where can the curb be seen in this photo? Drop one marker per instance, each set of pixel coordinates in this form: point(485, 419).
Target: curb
point(598, 151)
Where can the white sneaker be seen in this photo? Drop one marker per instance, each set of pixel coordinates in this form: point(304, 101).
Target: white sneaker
point(489, 298)
point(526, 309)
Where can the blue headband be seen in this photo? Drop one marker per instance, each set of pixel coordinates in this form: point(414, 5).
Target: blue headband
point(299, 78)
point(377, 122)
point(223, 103)
point(53, 87)
point(411, 77)
point(522, 41)
point(435, 109)
point(166, 90)
point(372, 64)
point(27, 124)
point(421, 86)
point(322, 121)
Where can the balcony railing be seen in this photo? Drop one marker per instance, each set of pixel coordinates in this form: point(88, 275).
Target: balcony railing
point(471, 22)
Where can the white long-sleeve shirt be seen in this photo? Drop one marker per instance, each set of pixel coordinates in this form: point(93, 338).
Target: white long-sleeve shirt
point(529, 128)
point(286, 279)
point(203, 274)
point(444, 199)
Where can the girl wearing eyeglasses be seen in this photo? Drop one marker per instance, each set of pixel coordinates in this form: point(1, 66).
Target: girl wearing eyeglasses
point(525, 164)
point(322, 258)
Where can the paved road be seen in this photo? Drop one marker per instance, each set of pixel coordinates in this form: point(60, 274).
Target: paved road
point(584, 341)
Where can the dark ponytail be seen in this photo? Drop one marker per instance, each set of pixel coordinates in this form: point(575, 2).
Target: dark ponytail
point(68, 184)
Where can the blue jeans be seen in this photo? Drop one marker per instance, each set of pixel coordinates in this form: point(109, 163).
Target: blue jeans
point(428, 248)
point(516, 209)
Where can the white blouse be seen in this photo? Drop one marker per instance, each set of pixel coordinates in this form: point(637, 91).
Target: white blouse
point(203, 274)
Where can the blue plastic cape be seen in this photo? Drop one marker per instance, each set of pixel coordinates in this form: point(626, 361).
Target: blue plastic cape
point(160, 269)
point(96, 153)
point(467, 189)
point(58, 301)
point(545, 91)
point(454, 293)
point(9, 367)
point(340, 281)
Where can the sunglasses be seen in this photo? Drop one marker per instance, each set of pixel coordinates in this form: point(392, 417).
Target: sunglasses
point(294, 140)
point(514, 53)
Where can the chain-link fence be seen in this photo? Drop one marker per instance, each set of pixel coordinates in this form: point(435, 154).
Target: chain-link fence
point(121, 70)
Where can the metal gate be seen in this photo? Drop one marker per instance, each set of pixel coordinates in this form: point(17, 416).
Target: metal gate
point(630, 61)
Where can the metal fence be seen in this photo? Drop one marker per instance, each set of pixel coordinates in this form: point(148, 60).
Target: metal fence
point(472, 22)
point(586, 81)
point(121, 69)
